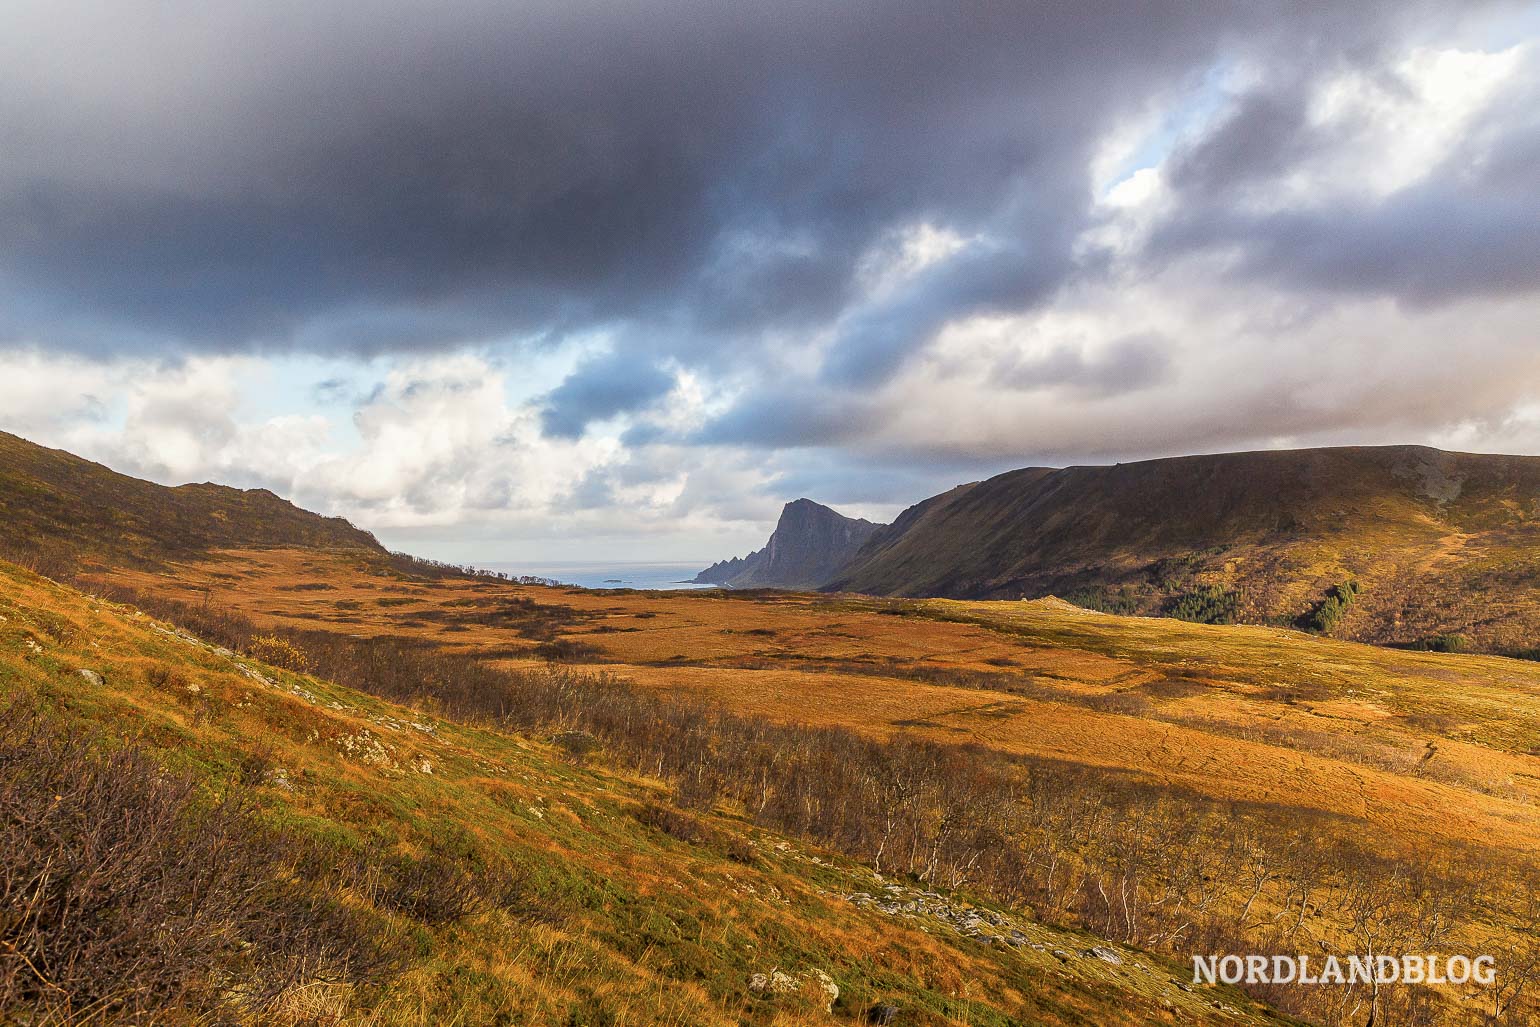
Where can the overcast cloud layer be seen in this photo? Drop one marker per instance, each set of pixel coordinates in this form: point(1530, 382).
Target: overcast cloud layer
point(575, 279)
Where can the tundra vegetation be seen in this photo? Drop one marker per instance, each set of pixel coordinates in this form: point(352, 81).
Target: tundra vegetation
point(1156, 866)
point(191, 835)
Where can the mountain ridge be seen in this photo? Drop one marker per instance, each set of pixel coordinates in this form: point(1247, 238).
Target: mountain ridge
point(1443, 543)
point(54, 501)
point(810, 544)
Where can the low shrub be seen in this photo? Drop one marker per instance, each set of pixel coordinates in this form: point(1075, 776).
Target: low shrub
point(1446, 643)
point(1205, 604)
point(687, 828)
point(435, 889)
point(565, 650)
point(577, 746)
point(1324, 618)
point(280, 652)
point(165, 675)
point(125, 895)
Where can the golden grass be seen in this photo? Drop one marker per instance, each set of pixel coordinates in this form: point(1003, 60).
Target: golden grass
point(1412, 751)
point(634, 927)
point(1413, 744)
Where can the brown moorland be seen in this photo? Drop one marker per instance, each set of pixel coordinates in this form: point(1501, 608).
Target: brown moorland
point(195, 836)
point(1405, 755)
point(1413, 743)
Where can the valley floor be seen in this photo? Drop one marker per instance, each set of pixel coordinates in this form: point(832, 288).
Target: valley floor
point(1412, 744)
point(1420, 757)
point(505, 880)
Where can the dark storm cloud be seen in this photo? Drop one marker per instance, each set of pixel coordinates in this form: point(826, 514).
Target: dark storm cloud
point(378, 176)
point(601, 388)
point(830, 480)
point(791, 415)
point(1268, 131)
point(875, 342)
point(593, 492)
point(794, 414)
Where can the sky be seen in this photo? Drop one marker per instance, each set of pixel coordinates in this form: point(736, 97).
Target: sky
point(570, 280)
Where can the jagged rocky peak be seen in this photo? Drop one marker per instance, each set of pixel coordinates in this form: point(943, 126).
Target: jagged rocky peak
point(809, 547)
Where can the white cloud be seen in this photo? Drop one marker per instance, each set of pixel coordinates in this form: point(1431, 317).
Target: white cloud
point(1249, 368)
point(170, 422)
point(1392, 127)
point(905, 253)
point(439, 456)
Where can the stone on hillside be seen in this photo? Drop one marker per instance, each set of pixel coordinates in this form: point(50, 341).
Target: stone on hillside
point(278, 778)
point(825, 984)
point(815, 983)
point(1106, 955)
point(91, 677)
point(776, 982)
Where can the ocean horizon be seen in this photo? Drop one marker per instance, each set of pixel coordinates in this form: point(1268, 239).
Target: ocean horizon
point(598, 574)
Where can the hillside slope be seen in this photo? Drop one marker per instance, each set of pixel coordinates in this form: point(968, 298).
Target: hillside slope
point(54, 501)
point(810, 544)
point(365, 862)
point(1441, 543)
point(1213, 751)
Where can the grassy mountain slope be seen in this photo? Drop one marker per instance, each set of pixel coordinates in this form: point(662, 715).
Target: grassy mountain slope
point(1161, 749)
point(444, 871)
point(57, 503)
point(1441, 543)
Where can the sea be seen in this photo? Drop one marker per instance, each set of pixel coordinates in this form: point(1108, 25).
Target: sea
point(611, 575)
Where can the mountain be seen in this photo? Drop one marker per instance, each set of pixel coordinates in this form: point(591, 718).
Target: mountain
point(53, 501)
point(1403, 545)
point(810, 544)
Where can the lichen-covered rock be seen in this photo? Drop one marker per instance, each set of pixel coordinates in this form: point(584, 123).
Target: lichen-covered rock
point(367, 748)
point(816, 985)
point(776, 982)
point(278, 777)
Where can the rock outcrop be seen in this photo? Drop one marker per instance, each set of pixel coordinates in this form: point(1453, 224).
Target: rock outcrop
point(810, 546)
